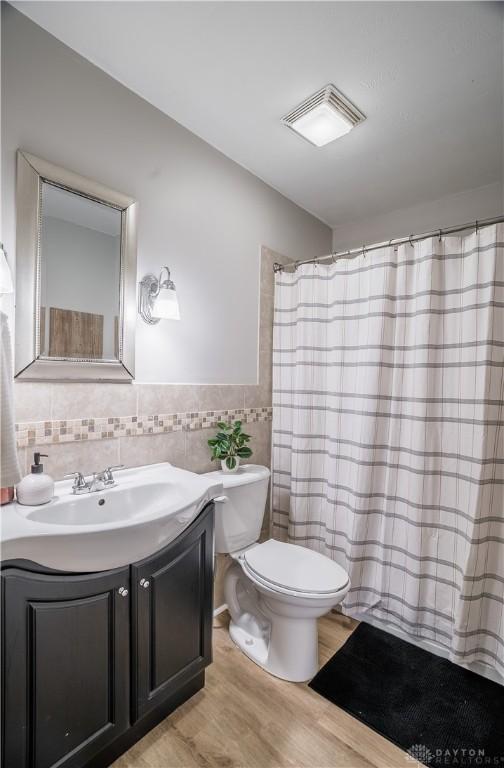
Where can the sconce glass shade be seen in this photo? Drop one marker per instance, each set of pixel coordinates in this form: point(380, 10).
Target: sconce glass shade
point(5, 275)
point(166, 306)
point(157, 298)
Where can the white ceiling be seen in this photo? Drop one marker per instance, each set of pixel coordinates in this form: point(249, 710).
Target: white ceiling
point(428, 76)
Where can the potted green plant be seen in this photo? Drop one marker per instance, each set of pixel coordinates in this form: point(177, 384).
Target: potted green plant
point(229, 445)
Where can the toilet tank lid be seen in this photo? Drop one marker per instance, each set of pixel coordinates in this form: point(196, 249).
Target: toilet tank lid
point(247, 473)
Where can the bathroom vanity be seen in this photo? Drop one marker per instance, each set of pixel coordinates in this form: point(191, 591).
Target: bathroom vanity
point(91, 661)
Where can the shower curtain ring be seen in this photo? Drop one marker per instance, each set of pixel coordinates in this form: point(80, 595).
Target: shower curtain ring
point(476, 226)
point(439, 236)
point(364, 252)
point(410, 241)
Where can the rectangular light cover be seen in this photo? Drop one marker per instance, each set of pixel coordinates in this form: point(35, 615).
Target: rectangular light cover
point(323, 117)
point(322, 125)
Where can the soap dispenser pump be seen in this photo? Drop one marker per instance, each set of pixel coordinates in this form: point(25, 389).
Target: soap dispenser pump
point(37, 487)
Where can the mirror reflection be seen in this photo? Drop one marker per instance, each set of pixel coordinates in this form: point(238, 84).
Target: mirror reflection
point(80, 264)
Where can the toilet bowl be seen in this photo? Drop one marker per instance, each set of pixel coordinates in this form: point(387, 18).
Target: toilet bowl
point(274, 591)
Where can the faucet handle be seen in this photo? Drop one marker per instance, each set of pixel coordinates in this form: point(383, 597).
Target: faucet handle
point(109, 477)
point(79, 480)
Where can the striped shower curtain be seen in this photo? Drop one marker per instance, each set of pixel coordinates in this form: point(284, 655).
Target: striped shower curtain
point(388, 439)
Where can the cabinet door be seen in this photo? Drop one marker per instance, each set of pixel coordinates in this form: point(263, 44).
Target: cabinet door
point(172, 615)
point(65, 666)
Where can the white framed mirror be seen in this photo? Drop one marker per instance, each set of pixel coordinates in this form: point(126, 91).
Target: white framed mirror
point(75, 276)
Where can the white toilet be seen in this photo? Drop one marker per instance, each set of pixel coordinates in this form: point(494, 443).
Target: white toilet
point(275, 592)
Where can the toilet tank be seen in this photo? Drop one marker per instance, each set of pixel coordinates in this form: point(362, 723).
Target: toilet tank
point(239, 512)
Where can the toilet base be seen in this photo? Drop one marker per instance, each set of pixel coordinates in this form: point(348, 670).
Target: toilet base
point(278, 631)
point(256, 648)
point(274, 651)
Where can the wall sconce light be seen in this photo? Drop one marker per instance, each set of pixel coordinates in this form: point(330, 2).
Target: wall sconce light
point(158, 298)
point(5, 275)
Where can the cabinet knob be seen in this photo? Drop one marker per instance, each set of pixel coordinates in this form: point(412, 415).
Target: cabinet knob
point(123, 591)
point(145, 583)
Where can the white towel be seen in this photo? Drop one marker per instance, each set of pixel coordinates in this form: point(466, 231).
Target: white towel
point(9, 465)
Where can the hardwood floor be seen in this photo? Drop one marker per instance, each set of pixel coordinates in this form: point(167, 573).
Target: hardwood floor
point(245, 718)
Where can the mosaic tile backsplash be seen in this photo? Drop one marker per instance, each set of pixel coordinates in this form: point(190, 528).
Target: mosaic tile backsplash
point(72, 430)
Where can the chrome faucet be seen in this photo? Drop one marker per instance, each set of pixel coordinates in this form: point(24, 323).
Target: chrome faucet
point(100, 481)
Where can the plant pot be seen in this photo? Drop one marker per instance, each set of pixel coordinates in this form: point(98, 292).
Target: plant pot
point(226, 469)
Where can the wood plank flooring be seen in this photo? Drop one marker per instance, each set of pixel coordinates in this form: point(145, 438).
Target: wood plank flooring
point(245, 718)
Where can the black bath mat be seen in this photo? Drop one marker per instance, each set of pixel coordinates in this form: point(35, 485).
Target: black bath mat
point(439, 712)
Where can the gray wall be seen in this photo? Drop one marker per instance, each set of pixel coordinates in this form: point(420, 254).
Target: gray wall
point(480, 203)
point(200, 213)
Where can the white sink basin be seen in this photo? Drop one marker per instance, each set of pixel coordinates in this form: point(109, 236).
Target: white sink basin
point(149, 507)
point(119, 504)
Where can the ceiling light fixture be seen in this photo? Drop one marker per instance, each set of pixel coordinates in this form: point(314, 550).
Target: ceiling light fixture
point(323, 117)
point(157, 299)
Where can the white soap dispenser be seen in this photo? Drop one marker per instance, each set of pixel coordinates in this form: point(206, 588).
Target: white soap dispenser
point(37, 487)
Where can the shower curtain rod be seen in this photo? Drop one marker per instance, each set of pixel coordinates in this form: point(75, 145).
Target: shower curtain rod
point(364, 249)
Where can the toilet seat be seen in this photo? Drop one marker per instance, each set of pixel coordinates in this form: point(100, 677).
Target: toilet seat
point(293, 570)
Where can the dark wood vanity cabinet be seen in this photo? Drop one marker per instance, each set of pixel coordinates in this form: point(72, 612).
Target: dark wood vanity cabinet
point(66, 672)
point(172, 601)
point(91, 662)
